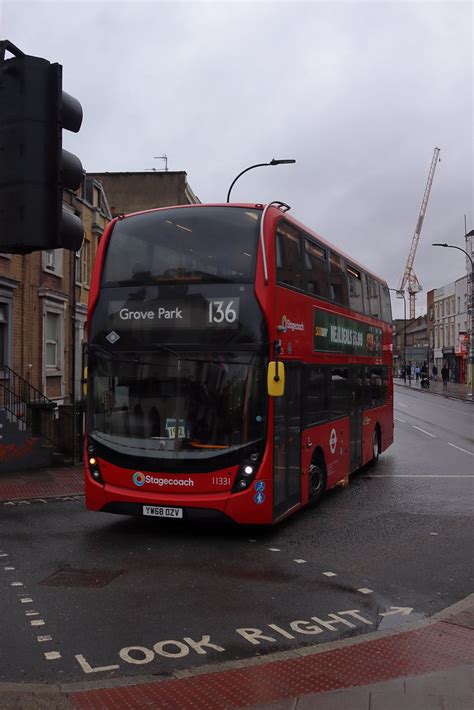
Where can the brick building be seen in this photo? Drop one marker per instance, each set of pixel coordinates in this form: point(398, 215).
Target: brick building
point(43, 305)
point(133, 192)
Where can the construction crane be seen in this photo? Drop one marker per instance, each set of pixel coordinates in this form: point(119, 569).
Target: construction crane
point(409, 280)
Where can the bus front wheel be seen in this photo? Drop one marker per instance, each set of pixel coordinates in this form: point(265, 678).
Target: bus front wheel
point(317, 480)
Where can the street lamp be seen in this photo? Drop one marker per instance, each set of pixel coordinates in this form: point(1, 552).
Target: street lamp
point(273, 161)
point(471, 303)
point(400, 294)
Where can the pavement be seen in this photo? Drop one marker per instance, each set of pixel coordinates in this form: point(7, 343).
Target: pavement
point(453, 390)
point(425, 665)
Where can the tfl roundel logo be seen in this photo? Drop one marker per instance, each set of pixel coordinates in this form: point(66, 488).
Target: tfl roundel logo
point(138, 478)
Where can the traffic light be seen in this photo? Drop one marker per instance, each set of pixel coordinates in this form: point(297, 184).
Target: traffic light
point(34, 168)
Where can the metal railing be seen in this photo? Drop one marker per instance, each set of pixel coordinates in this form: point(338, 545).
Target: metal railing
point(28, 405)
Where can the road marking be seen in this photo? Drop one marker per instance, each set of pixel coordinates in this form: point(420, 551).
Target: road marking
point(424, 432)
point(422, 475)
point(3, 554)
point(274, 549)
point(26, 600)
point(299, 562)
point(16, 584)
point(402, 421)
point(403, 610)
point(42, 639)
point(52, 655)
point(461, 449)
point(37, 622)
point(7, 569)
point(330, 574)
point(365, 590)
point(31, 613)
point(400, 404)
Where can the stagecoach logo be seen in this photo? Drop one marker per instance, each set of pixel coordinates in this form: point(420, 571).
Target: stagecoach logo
point(140, 479)
point(287, 324)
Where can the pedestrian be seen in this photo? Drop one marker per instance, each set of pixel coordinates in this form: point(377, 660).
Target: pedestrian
point(424, 370)
point(445, 375)
point(417, 373)
point(409, 374)
point(435, 373)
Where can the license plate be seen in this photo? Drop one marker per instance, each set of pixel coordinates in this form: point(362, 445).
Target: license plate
point(159, 511)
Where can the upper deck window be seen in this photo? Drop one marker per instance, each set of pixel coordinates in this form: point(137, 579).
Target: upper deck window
point(289, 264)
point(316, 269)
point(201, 244)
point(354, 277)
point(338, 280)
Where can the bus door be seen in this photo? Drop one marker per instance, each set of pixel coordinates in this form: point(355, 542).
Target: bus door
point(287, 443)
point(356, 417)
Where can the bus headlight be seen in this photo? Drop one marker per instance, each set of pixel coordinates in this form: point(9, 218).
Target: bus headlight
point(245, 474)
point(94, 470)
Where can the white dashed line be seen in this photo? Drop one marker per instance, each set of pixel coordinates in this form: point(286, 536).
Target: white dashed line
point(330, 574)
point(31, 613)
point(400, 404)
point(421, 475)
point(365, 590)
point(3, 554)
point(424, 432)
point(8, 569)
point(274, 549)
point(42, 639)
point(461, 449)
point(299, 562)
point(26, 600)
point(252, 541)
point(37, 622)
point(52, 655)
point(402, 421)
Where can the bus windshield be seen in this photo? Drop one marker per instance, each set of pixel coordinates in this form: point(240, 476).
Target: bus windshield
point(201, 244)
point(180, 405)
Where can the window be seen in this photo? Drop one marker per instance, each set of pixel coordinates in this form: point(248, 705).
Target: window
point(436, 311)
point(459, 304)
point(372, 300)
point(386, 304)
point(288, 255)
point(85, 253)
point(3, 335)
point(316, 269)
point(356, 299)
point(341, 392)
point(53, 261)
point(316, 399)
point(377, 382)
point(338, 280)
point(53, 358)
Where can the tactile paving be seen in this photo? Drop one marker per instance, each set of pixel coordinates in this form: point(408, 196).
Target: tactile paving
point(431, 648)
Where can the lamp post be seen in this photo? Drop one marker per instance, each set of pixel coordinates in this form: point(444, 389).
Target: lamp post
point(273, 161)
point(470, 307)
point(400, 294)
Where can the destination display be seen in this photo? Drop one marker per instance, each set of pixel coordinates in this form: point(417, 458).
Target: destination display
point(335, 333)
point(188, 312)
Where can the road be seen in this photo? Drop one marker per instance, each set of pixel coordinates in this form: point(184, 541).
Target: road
point(89, 596)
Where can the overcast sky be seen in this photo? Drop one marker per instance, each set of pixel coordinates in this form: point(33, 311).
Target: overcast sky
point(359, 93)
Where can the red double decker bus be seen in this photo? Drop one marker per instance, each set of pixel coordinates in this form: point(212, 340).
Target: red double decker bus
point(238, 365)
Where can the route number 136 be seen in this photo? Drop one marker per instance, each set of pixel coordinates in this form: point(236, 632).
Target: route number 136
point(223, 311)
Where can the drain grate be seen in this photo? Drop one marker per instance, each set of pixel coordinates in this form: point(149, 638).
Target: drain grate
point(71, 577)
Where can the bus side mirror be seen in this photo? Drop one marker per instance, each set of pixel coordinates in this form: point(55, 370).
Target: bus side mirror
point(276, 379)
